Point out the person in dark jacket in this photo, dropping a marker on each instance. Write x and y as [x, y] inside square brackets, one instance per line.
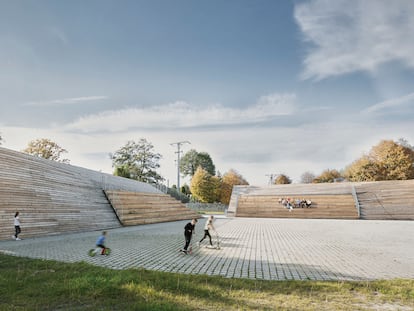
[16, 226]
[188, 233]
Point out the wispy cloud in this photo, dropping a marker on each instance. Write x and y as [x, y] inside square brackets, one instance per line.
[65, 101]
[392, 103]
[353, 35]
[59, 35]
[181, 114]
[329, 143]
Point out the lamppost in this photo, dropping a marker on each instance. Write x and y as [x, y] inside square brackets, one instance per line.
[178, 152]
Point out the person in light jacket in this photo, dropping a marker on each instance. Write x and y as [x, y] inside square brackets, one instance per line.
[207, 227]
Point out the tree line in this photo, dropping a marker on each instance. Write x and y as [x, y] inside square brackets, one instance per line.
[388, 160]
[139, 161]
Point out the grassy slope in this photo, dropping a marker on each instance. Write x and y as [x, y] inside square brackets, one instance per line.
[28, 284]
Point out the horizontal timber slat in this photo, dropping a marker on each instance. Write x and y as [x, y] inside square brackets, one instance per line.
[336, 206]
[387, 199]
[377, 200]
[135, 208]
[55, 198]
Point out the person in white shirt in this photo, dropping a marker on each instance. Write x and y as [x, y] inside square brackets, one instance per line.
[17, 226]
[208, 226]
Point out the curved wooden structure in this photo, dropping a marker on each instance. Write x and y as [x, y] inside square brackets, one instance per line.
[55, 198]
[364, 200]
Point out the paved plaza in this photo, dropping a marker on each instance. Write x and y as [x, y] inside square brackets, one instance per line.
[254, 248]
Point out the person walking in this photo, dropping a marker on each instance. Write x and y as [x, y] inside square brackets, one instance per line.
[188, 233]
[16, 227]
[207, 227]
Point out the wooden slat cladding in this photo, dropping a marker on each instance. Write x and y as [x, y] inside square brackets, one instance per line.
[135, 208]
[341, 206]
[387, 200]
[55, 198]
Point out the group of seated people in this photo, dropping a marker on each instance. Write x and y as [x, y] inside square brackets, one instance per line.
[295, 203]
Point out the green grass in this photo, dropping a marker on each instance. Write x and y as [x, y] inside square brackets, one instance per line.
[30, 284]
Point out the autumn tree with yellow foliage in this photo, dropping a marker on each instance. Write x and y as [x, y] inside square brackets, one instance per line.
[327, 176]
[46, 149]
[205, 187]
[388, 160]
[282, 180]
[230, 179]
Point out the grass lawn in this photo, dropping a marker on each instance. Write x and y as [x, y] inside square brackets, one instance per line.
[31, 284]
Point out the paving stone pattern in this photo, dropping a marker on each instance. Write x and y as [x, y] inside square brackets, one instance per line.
[270, 249]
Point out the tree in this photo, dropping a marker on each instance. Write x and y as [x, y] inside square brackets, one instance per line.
[386, 161]
[46, 149]
[122, 171]
[327, 176]
[403, 142]
[204, 186]
[307, 178]
[185, 189]
[395, 161]
[230, 179]
[216, 184]
[1, 138]
[362, 169]
[137, 160]
[190, 162]
[282, 179]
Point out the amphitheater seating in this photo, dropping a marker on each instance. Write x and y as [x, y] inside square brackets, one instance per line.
[135, 208]
[55, 198]
[328, 201]
[339, 206]
[376, 200]
[386, 199]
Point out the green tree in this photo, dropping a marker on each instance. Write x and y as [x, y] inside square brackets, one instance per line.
[388, 160]
[190, 162]
[230, 179]
[204, 187]
[327, 176]
[122, 171]
[186, 189]
[137, 160]
[282, 179]
[1, 138]
[46, 149]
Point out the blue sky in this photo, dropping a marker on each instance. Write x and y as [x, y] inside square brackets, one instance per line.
[265, 87]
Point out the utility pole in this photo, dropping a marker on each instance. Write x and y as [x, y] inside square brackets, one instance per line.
[271, 178]
[178, 152]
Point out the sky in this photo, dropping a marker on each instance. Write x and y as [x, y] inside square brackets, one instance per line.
[265, 87]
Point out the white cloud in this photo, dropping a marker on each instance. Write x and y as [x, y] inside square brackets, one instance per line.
[65, 101]
[355, 35]
[184, 115]
[278, 147]
[392, 103]
[253, 151]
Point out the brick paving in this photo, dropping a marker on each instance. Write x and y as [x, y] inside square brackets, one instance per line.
[254, 248]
